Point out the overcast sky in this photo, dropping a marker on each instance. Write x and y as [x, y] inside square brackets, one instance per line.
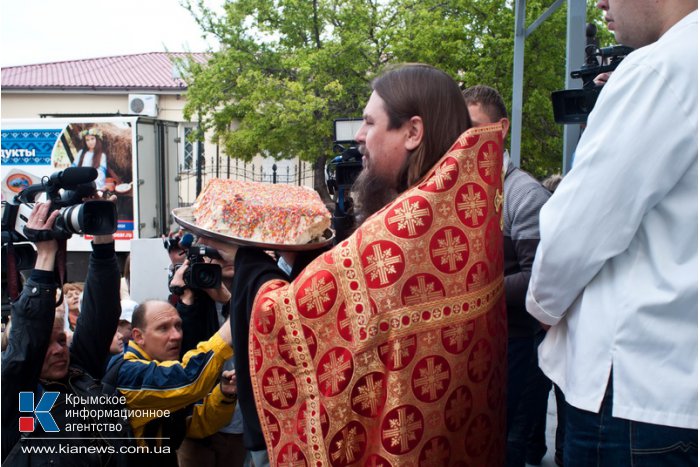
[40, 31]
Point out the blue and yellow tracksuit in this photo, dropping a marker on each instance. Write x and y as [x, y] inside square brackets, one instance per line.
[150, 386]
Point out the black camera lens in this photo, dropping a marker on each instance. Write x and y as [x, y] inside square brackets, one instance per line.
[92, 218]
[100, 217]
[206, 278]
[203, 276]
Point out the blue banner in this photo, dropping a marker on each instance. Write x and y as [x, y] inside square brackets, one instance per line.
[28, 147]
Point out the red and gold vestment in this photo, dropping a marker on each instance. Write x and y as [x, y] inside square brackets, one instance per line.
[390, 349]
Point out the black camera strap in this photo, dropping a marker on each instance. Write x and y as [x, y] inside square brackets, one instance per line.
[12, 274]
[60, 267]
[34, 235]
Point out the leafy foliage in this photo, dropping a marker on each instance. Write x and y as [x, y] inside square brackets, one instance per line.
[287, 68]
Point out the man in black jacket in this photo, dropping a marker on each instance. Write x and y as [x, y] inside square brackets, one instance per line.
[38, 363]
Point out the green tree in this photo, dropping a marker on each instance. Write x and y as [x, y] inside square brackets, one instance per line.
[545, 64]
[287, 68]
[285, 71]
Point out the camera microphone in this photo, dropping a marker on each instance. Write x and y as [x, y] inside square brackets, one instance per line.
[591, 32]
[187, 240]
[71, 177]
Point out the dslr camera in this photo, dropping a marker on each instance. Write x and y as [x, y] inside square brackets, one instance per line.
[66, 190]
[199, 274]
[574, 105]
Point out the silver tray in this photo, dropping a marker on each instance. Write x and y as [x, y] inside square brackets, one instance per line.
[185, 218]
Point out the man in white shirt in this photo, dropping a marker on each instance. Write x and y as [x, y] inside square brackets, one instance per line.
[615, 273]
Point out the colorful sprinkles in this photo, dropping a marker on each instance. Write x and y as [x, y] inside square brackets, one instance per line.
[262, 212]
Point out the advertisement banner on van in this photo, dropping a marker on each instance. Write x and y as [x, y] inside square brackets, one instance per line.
[33, 150]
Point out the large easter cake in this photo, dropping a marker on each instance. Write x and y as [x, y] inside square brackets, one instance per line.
[262, 212]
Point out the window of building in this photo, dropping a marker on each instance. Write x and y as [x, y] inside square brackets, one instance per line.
[189, 151]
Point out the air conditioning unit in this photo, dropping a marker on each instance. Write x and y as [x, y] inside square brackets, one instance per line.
[143, 104]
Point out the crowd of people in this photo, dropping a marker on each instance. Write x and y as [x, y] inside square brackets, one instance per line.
[434, 333]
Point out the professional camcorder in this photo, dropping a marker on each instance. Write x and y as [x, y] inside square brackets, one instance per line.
[66, 190]
[341, 173]
[199, 274]
[342, 170]
[574, 105]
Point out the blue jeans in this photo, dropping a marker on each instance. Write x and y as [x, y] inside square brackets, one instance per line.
[599, 439]
[259, 458]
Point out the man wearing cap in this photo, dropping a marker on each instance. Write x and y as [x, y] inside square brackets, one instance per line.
[124, 327]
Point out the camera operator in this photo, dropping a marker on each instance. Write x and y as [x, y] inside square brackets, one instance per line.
[202, 312]
[220, 294]
[39, 361]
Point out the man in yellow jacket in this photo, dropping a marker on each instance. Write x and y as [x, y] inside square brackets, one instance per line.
[160, 390]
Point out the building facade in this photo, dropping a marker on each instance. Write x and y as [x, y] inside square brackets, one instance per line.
[149, 85]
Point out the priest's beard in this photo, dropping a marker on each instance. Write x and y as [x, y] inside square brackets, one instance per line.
[370, 193]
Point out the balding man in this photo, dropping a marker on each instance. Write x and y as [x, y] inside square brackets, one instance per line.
[154, 381]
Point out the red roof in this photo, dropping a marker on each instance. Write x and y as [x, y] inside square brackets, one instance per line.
[147, 71]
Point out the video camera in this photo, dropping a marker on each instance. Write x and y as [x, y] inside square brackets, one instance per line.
[341, 173]
[66, 190]
[342, 170]
[199, 274]
[574, 105]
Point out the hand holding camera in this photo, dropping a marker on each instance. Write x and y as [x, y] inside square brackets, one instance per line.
[40, 223]
[177, 285]
[574, 105]
[102, 196]
[65, 190]
[196, 273]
